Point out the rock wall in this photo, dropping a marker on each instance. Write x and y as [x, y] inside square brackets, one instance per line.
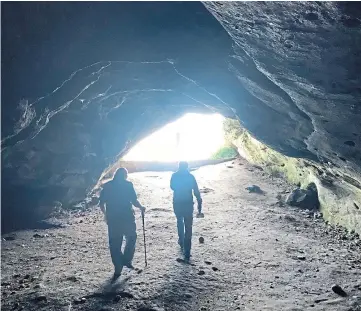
[339, 194]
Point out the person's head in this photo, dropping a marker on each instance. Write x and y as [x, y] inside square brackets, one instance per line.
[121, 174]
[183, 166]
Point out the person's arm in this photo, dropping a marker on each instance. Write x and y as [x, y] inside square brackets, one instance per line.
[197, 194]
[134, 199]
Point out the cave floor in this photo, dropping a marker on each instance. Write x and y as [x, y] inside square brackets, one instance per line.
[257, 255]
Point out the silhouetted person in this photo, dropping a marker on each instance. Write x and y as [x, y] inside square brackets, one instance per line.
[116, 200]
[183, 185]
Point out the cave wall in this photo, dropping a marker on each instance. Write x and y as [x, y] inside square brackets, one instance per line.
[303, 58]
[339, 194]
[78, 89]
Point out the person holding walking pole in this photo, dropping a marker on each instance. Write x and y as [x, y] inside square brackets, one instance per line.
[116, 200]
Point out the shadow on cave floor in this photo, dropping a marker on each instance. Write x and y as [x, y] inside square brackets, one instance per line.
[256, 255]
[12, 228]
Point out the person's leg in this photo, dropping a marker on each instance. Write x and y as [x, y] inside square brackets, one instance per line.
[180, 224]
[115, 244]
[188, 224]
[180, 228]
[131, 238]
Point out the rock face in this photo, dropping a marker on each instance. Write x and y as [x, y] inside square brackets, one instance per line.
[322, 186]
[78, 91]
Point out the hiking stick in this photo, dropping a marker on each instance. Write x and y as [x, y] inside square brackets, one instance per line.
[145, 246]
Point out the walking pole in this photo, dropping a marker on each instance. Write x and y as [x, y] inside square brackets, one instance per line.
[145, 246]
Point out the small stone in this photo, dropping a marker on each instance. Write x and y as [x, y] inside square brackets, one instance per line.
[34, 278]
[37, 235]
[201, 240]
[215, 269]
[188, 295]
[338, 290]
[72, 278]
[201, 272]
[126, 295]
[27, 277]
[78, 301]
[41, 298]
[301, 257]
[207, 262]
[10, 238]
[320, 300]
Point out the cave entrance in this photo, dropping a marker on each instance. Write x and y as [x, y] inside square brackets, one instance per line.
[200, 139]
[190, 138]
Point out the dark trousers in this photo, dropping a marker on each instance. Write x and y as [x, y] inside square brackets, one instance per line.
[184, 214]
[116, 232]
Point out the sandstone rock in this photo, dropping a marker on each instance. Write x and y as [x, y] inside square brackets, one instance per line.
[304, 198]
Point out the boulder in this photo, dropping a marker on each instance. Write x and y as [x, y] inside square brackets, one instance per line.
[304, 198]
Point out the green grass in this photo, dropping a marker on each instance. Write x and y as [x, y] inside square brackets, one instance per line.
[225, 152]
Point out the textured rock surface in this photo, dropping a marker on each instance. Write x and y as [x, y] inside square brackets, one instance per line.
[91, 84]
[338, 194]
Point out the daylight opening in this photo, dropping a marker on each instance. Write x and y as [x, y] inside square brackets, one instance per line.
[192, 137]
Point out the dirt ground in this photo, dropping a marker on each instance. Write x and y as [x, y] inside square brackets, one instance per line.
[257, 255]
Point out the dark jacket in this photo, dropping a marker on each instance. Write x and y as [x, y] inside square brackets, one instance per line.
[183, 185]
[118, 197]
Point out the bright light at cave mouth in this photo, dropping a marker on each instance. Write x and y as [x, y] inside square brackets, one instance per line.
[192, 137]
